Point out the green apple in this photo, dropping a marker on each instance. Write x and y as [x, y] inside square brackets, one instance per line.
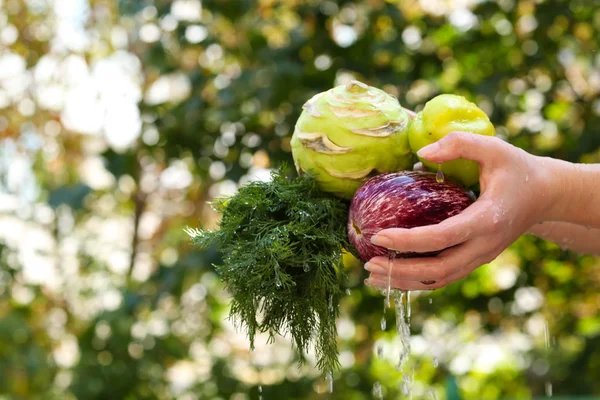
[441, 115]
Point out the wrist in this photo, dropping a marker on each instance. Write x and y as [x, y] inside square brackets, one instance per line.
[541, 229]
[557, 187]
[567, 193]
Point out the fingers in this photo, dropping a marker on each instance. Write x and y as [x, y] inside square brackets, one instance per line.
[410, 113]
[450, 232]
[470, 146]
[380, 281]
[419, 269]
[441, 270]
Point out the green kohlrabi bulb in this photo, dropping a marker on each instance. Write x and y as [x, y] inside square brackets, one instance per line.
[349, 133]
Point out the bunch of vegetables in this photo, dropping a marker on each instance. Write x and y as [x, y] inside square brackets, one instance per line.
[282, 241]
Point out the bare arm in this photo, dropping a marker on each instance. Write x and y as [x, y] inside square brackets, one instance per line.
[568, 236]
[574, 218]
[520, 193]
[575, 192]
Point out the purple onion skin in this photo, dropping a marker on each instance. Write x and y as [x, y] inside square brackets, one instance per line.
[405, 199]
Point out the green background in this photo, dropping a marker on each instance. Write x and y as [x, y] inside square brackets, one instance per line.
[131, 310]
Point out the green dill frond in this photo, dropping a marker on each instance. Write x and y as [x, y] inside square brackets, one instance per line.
[281, 244]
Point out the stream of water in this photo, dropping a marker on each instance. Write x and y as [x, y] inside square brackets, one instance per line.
[329, 379]
[391, 257]
[548, 384]
[402, 325]
[403, 313]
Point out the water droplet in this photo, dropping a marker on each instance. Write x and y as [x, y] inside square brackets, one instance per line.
[277, 280]
[329, 379]
[496, 218]
[430, 300]
[407, 382]
[306, 268]
[383, 323]
[432, 394]
[563, 247]
[439, 177]
[436, 362]
[404, 388]
[549, 389]
[380, 350]
[377, 392]
[348, 292]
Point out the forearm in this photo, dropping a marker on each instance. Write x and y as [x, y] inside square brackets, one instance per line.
[577, 238]
[574, 191]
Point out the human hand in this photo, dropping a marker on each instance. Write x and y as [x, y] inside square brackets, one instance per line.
[515, 195]
[410, 112]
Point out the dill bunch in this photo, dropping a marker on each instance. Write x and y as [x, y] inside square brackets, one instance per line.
[281, 244]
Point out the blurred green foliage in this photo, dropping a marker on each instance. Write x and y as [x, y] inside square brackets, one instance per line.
[132, 310]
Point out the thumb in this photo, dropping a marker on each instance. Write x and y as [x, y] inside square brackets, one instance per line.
[469, 146]
[410, 113]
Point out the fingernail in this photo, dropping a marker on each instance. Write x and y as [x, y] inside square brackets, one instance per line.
[375, 268]
[381, 240]
[429, 150]
[427, 282]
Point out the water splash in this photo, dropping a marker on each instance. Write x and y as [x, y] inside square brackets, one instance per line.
[377, 392]
[260, 392]
[439, 176]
